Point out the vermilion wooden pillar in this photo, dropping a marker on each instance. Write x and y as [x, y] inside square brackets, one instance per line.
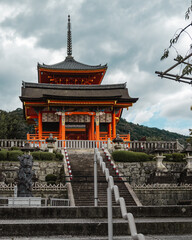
[62, 121]
[113, 124]
[89, 131]
[109, 130]
[60, 127]
[97, 126]
[92, 127]
[40, 125]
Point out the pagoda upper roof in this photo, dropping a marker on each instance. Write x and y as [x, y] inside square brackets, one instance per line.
[71, 64]
[42, 91]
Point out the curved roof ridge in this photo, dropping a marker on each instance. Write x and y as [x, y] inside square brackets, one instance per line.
[70, 86]
[71, 64]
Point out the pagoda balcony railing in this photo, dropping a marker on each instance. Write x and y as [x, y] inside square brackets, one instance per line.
[104, 137]
[43, 136]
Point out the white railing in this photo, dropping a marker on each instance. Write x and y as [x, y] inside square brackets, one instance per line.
[162, 186]
[5, 201]
[49, 187]
[120, 200]
[91, 144]
[35, 187]
[81, 144]
[8, 143]
[152, 145]
[70, 144]
[7, 187]
[59, 202]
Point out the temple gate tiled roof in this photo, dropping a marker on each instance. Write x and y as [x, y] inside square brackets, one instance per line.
[34, 91]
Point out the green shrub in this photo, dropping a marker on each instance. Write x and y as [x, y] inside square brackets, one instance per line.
[61, 176]
[36, 155]
[47, 156]
[59, 156]
[174, 157]
[3, 155]
[178, 157]
[128, 156]
[51, 179]
[13, 155]
[168, 157]
[151, 157]
[15, 148]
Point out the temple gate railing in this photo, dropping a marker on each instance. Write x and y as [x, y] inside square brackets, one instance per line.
[152, 145]
[91, 144]
[8, 143]
[103, 137]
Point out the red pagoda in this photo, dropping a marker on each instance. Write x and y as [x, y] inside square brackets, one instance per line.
[70, 102]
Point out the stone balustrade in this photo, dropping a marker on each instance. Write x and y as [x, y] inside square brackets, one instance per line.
[91, 144]
[35, 187]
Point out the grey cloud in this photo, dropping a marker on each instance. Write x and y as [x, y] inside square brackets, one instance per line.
[135, 30]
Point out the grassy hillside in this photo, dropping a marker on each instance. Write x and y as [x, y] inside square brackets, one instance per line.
[138, 132]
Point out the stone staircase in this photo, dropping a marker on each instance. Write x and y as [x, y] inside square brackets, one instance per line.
[71, 222]
[82, 165]
[123, 191]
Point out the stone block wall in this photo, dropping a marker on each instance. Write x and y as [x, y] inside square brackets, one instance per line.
[41, 169]
[155, 194]
[139, 172]
[163, 194]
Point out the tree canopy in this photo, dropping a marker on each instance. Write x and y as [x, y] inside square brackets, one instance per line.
[13, 125]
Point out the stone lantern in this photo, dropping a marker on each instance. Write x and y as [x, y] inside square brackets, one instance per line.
[160, 167]
[27, 148]
[116, 142]
[50, 142]
[188, 152]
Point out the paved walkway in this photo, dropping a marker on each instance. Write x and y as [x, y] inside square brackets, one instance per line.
[93, 220]
[177, 237]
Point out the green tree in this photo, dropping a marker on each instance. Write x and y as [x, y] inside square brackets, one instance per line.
[13, 125]
[3, 124]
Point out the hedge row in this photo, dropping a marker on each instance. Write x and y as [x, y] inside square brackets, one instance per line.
[41, 156]
[174, 157]
[125, 156]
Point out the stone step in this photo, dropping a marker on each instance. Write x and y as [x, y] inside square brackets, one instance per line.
[95, 227]
[69, 237]
[82, 166]
[93, 212]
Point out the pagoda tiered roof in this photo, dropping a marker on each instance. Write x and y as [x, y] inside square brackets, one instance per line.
[70, 71]
[71, 64]
[43, 92]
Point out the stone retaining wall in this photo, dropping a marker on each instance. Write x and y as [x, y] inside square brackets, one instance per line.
[41, 168]
[155, 194]
[139, 172]
[163, 194]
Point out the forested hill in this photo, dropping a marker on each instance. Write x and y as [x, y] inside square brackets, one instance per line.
[138, 132]
[13, 125]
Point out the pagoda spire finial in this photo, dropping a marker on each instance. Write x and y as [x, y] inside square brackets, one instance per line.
[69, 38]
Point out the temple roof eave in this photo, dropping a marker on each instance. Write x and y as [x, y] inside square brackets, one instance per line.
[71, 64]
[72, 87]
[45, 92]
[47, 98]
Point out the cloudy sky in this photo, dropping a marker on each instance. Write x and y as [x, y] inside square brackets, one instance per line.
[130, 36]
